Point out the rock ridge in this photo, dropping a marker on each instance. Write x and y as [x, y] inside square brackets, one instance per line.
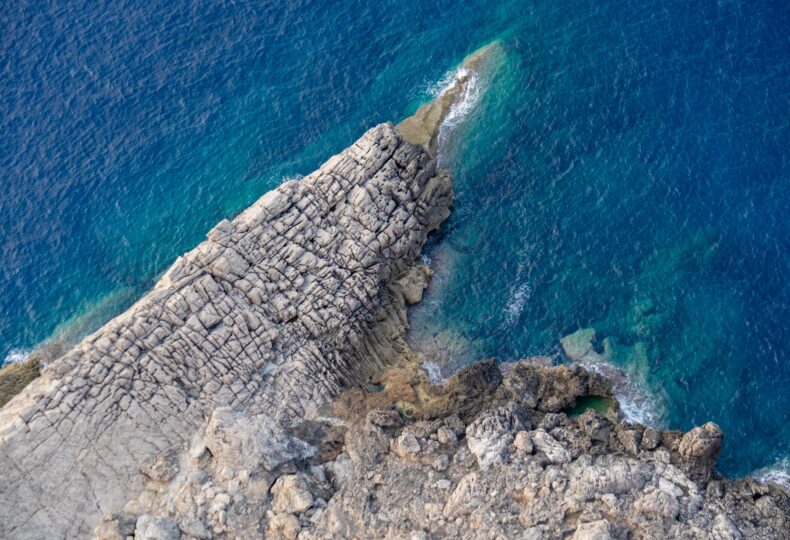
[258, 326]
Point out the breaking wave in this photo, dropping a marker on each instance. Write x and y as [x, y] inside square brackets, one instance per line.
[778, 473]
[16, 356]
[462, 107]
[636, 401]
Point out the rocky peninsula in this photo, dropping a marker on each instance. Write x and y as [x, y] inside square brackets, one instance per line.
[264, 388]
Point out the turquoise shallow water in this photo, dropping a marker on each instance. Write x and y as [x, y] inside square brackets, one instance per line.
[625, 169]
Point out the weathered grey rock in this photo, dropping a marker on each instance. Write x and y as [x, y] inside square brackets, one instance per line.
[163, 467]
[407, 445]
[156, 528]
[631, 439]
[571, 486]
[116, 526]
[270, 317]
[445, 435]
[385, 418]
[658, 504]
[492, 433]
[554, 450]
[467, 496]
[650, 439]
[237, 440]
[593, 530]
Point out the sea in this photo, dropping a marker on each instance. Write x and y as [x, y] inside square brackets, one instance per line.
[623, 166]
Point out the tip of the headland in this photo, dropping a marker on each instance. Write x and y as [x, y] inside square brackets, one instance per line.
[423, 126]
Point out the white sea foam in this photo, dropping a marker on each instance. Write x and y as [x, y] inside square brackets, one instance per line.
[516, 302]
[778, 473]
[462, 107]
[637, 403]
[15, 356]
[433, 371]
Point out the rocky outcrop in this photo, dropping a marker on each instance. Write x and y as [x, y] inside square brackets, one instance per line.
[264, 389]
[519, 471]
[249, 333]
[507, 469]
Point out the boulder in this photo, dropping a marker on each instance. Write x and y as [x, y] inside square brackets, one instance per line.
[291, 494]
[150, 527]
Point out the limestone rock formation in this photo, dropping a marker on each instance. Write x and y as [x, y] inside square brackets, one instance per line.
[245, 335]
[264, 388]
[542, 475]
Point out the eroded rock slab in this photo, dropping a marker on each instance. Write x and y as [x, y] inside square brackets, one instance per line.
[270, 316]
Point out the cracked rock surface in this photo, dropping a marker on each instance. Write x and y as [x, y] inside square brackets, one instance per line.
[523, 469]
[244, 337]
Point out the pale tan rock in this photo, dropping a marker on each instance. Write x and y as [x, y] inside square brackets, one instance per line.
[592, 530]
[702, 443]
[285, 526]
[465, 498]
[523, 442]
[291, 495]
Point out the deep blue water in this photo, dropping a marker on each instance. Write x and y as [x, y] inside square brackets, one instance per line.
[625, 169]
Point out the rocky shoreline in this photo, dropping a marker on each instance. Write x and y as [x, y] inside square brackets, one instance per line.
[264, 388]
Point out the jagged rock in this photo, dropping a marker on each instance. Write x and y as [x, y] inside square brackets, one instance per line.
[407, 445]
[650, 439]
[593, 530]
[194, 528]
[492, 433]
[523, 442]
[385, 418]
[568, 487]
[554, 450]
[291, 494]
[414, 282]
[446, 435]
[631, 440]
[465, 498]
[594, 426]
[156, 528]
[163, 467]
[702, 443]
[658, 504]
[116, 526]
[725, 529]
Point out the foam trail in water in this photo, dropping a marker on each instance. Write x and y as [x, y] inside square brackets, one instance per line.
[460, 110]
[516, 302]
